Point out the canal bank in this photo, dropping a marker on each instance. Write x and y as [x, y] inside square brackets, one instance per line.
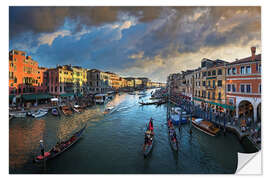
[112, 144]
[244, 137]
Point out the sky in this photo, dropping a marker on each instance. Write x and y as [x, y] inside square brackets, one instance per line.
[148, 42]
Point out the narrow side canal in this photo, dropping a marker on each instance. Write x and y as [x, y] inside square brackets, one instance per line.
[113, 143]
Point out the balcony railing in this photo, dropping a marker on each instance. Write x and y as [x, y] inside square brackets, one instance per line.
[210, 87]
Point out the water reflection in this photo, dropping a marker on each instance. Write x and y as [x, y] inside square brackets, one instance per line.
[113, 143]
[23, 141]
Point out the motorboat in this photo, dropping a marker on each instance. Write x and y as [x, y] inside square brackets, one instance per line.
[18, 114]
[205, 126]
[66, 110]
[108, 109]
[101, 98]
[39, 113]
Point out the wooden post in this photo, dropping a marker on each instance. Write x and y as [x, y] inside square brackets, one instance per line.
[190, 124]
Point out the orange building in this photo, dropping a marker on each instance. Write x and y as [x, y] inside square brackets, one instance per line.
[24, 74]
[243, 86]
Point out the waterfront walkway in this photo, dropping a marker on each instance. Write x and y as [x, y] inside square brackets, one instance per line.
[222, 120]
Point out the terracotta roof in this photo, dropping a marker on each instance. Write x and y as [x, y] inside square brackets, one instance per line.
[245, 60]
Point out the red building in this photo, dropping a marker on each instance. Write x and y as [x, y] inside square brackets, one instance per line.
[243, 86]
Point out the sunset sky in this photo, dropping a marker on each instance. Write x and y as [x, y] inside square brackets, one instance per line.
[134, 41]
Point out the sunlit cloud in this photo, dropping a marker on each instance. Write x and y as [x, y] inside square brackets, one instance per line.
[48, 38]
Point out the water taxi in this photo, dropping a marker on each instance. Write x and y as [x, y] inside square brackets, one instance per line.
[205, 126]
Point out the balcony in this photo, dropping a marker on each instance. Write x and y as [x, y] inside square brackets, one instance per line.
[210, 87]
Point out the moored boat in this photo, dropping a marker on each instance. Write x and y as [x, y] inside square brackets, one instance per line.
[101, 98]
[29, 113]
[60, 147]
[18, 114]
[11, 116]
[205, 126]
[39, 113]
[66, 110]
[77, 109]
[55, 112]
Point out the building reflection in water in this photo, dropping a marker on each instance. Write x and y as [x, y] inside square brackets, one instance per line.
[24, 141]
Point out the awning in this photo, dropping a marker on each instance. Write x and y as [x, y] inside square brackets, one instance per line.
[79, 95]
[197, 99]
[226, 106]
[30, 97]
[67, 94]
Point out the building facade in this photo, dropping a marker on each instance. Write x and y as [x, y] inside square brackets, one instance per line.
[60, 80]
[243, 86]
[210, 83]
[25, 77]
[98, 81]
[79, 79]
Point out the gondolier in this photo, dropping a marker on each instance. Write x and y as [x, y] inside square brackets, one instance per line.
[41, 147]
[58, 148]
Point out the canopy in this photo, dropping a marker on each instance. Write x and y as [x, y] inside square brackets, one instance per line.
[226, 106]
[30, 97]
[67, 94]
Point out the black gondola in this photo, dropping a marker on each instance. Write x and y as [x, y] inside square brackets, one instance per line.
[172, 136]
[55, 151]
[149, 144]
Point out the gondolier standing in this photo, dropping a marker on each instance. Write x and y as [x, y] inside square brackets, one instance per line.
[41, 147]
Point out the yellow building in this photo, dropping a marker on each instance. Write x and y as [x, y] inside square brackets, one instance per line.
[65, 74]
[137, 83]
[130, 82]
[79, 79]
[209, 83]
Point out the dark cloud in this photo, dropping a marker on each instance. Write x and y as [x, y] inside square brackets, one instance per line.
[49, 19]
[160, 31]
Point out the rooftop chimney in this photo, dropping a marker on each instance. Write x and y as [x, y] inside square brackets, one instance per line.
[253, 52]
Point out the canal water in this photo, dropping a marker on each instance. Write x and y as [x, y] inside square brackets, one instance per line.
[112, 143]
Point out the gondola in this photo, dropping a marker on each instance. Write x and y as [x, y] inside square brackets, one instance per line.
[160, 103]
[66, 110]
[62, 147]
[149, 145]
[147, 103]
[172, 138]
